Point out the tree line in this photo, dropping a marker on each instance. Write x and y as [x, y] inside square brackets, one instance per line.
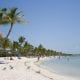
[22, 48]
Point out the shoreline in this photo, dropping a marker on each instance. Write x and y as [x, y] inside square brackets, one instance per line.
[27, 69]
[51, 74]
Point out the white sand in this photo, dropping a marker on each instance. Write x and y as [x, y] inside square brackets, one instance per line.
[26, 69]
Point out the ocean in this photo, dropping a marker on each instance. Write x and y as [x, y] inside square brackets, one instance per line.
[68, 66]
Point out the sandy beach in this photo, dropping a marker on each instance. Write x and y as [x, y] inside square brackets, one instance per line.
[26, 69]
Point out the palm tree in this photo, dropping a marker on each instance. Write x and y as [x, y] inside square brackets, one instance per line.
[7, 45]
[11, 17]
[40, 47]
[21, 40]
[28, 48]
[15, 45]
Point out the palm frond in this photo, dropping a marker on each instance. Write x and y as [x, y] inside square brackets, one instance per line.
[2, 11]
[18, 13]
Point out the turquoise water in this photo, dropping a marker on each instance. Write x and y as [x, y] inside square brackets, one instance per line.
[68, 66]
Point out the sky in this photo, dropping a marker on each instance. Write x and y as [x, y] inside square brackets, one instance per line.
[53, 23]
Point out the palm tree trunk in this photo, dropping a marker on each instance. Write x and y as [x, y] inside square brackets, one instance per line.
[7, 38]
[9, 30]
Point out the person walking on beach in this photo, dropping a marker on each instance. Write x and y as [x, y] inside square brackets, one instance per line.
[38, 57]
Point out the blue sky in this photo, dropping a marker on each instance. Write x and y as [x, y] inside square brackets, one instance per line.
[53, 23]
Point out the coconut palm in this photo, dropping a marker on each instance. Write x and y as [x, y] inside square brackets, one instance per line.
[13, 16]
[21, 40]
[10, 16]
[15, 45]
